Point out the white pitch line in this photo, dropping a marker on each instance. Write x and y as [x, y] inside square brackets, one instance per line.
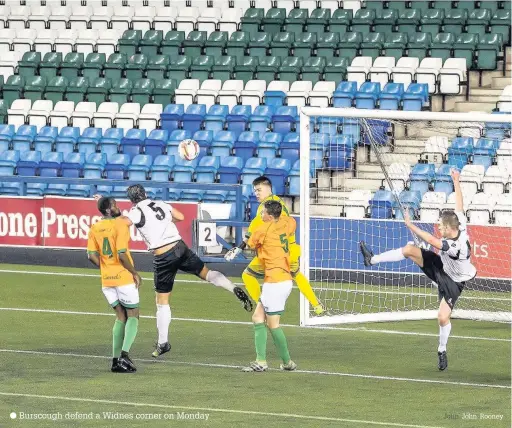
[213, 409]
[313, 372]
[346, 290]
[210, 321]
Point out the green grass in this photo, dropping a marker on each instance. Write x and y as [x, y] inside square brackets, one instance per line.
[202, 370]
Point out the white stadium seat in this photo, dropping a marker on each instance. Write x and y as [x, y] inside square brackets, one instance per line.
[9, 62]
[107, 41]
[452, 75]
[471, 178]
[279, 85]
[39, 16]
[80, 17]
[5, 11]
[83, 114]
[359, 69]
[65, 41]
[428, 72]
[505, 100]
[253, 93]
[450, 201]
[38, 114]
[143, 18]
[24, 39]
[503, 210]
[299, 93]
[208, 92]
[18, 17]
[6, 39]
[86, 41]
[355, 5]
[230, 93]
[165, 18]
[186, 92]
[381, 69]
[61, 114]
[59, 18]
[209, 19]
[101, 16]
[495, 180]
[431, 205]
[105, 115]
[187, 19]
[18, 112]
[399, 174]
[357, 204]
[128, 116]
[436, 148]
[321, 95]
[230, 19]
[149, 116]
[122, 18]
[45, 40]
[480, 209]
[405, 70]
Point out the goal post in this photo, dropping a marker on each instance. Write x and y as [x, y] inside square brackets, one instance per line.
[349, 154]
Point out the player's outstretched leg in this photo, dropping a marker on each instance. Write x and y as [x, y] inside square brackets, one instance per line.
[445, 328]
[130, 332]
[408, 252]
[219, 280]
[260, 341]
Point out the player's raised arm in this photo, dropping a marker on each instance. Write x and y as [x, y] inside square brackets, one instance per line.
[459, 201]
[422, 234]
[177, 215]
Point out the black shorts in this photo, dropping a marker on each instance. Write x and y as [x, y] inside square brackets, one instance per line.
[166, 265]
[447, 287]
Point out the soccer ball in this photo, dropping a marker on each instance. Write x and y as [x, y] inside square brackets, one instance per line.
[188, 149]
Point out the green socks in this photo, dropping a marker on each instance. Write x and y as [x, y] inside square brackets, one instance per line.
[260, 341]
[281, 344]
[130, 331]
[117, 338]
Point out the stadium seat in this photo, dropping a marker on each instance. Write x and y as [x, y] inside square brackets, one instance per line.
[502, 211]
[453, 76]
[480, 208]
[471, 177]
[299, 93]
[246, 145]
[18, 112]
[381, 204]
[345, 94]
[431, 205]
[367, 95]
[391, 96]
[416, 97]
[495, 180]
[359, 69]
[321, 95]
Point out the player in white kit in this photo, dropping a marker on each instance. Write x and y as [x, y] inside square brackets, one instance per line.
[155, 222]
[450, 269]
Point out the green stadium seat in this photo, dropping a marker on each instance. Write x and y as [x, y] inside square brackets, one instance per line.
[318, 21]
[421, 5]
[129, 42]
[464, 47]
[296, 21]
[93, 65]
[77, 89]
[135, 66]
[304, 44]
[238, 43]
[442, 46]
[13, 88]
[193, 44]
[395, 44]
[469, 5]
[50, 64]
[281, 44]
[245, 68]
[336, 69]
[259, 44]
[99, 89]
[56, 89]
[164, 91]
[443, 4]
[142, 91]
[385, 21]
[350, 44]
[29, 64]
[34, 88]
[72, 65]
[455, 20]
[267, 68]
[432, 20]
[408, 21]
[150, 43]
[172, 43]
[273, 20]
[178, 68]
[500, 24]
[120, 91]
[505, 4]
[327, 44]
[157, 67]
[3, 111]
[375, 5]
[313, 69]
[216, 43]
[340, 21]
[223, 67]
[201, 67]
[290, 69]
[399, 5]
[251, 21]
[419, 44]
[478, 21]
[488, 50]
[363, 21]
[113, 68]
[372, 44]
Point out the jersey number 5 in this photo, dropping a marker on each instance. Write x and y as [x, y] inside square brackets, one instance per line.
[160, 214]
[284, 241]
[106, 248]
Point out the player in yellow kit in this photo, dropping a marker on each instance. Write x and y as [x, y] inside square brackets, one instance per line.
[263, 191]
[271, 242]
[107, 248]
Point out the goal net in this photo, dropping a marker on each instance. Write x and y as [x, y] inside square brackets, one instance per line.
[361, 170]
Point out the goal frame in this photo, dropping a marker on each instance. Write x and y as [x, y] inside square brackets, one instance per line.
[306, 113]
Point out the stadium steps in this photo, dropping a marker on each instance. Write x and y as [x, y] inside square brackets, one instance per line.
[501, 82]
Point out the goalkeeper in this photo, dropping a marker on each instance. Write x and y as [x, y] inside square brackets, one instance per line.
[263, 190]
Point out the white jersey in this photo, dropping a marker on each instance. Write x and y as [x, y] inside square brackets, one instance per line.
[153, 220]
[456, 254]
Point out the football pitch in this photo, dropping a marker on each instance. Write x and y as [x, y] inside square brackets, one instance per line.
[55, 351]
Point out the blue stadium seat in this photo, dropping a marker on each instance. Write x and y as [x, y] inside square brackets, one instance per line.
[410, 200]
[47, 134]
[8, 161]
[318, 147]
[50, 164]
[72, 165]
[238, 118]
[204, 139]
[43, 146]
[269, 145]
[367, 95]
[443, 173]
[423, 171]
[175, 138]
[6, 135]
[459, 151]
[192, 195]
[340, 154]
[230, 170]
[216, 118]
[207, 169]
[36, 189]
[223, 143]
[274, 98]
[290, 147]
[117, 165]
[193, 117]
[391, 96]
[294, 179]
[285, 119]
[327, 125]
[132, 142]
[21, 145]
[57, 189]
[141, 163]
[171, 117]
[154, 144]
[277, 171]
[13, 188]
[261, 118]
[485, 151]
[183, 170]
[163, 163]
[497, 130]
[96, 162]
[254, 167]
[25, 133]
[231, 198]
[415, 97]
[28, 163]
[87, 143]
[381, 205]
[344, 94]
[215, 196]
[443, 186]
[245, 146]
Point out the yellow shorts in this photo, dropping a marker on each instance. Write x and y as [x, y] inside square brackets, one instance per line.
[256, 269]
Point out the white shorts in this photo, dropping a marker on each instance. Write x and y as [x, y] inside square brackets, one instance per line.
[274, 295]
[127, 295]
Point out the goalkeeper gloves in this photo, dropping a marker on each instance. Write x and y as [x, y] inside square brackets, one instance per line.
[232, 254]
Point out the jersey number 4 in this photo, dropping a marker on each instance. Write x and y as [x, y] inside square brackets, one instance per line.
[106, 249]
[284, 241]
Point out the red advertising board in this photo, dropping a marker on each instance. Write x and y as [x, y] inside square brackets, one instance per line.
[53, 221]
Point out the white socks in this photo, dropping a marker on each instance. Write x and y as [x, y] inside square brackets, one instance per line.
[163, 319]
[389, 256]
[444, 333]
[219, 280]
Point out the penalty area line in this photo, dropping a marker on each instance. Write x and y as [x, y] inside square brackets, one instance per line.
[211, 321]
[213, 410]
[230, 366]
